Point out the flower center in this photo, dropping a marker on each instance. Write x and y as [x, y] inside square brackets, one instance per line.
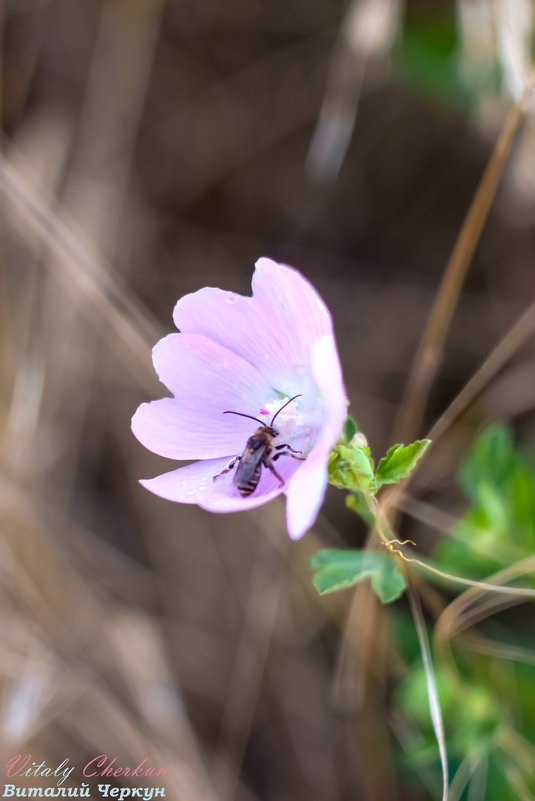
[298, 424]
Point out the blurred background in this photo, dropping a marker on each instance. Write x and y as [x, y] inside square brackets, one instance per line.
[152, 147]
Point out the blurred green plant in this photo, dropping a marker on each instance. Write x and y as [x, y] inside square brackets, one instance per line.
[490, 733]
[488, 704]
[426, 58]
[446, 57]
[498, 528]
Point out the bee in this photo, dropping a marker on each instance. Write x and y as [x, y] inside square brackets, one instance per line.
[259, 452]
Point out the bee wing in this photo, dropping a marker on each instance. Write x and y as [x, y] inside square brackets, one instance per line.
[252, 455]
[247, 475]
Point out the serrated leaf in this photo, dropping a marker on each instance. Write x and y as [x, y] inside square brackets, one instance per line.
[400, 461]
[339, 569]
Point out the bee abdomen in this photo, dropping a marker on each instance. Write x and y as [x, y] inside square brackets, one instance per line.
[247, 489]
[246, 485]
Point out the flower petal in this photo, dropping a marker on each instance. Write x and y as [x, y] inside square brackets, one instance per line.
[305, 493]
[195, 483]
[272, 330]
[238, 353]
[206, 379]
[306, 488]
[327, 374]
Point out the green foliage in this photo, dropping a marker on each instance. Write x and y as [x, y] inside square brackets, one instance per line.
[471, 712]
[350, 429]
[430, 58]
[351, 467]
[498, 527]
[400, 461]
[427, 57]
[488, 704]
[338, 569]
[350, 464]
[485, 725]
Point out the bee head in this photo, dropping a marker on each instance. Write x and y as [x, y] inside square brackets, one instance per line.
[273, 432]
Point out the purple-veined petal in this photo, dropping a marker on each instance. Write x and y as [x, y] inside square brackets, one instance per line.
[195, 483]
[274, 329]
[306, 488]
[206, 379]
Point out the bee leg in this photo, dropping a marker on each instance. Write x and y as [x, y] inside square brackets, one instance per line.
[229, 467]
[287, 453]
[268, 462]
[285, 445]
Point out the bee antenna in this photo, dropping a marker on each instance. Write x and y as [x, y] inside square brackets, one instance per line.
[283, 407]
[250, 416]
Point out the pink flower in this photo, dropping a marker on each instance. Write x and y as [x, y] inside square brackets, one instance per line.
[248, 355]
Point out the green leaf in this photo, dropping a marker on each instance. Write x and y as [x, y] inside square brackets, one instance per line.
[338, 569]
[350, 429]
[400, 461]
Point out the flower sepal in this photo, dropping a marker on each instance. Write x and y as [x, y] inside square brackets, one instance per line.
[350, 463]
